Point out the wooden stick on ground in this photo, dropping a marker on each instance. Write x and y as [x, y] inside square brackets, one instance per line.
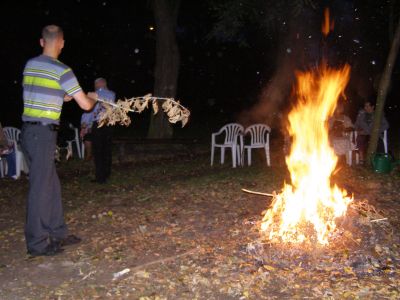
[378, 220]
[258, 193]
[163, 260]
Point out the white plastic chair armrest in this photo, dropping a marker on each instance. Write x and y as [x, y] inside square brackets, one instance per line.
[215, 134]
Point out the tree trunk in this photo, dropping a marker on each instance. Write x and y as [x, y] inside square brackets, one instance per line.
[167, 62]
[382, 93]
[391, 19]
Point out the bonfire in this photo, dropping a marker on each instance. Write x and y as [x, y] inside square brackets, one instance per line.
[311, 198]
[306, 209]
[313, 224]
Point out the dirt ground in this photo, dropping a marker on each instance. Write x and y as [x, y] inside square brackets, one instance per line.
[176, 228]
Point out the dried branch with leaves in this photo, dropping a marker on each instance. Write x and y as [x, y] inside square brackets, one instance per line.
[117, 113]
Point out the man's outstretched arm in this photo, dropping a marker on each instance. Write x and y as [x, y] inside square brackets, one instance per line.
[86, 102]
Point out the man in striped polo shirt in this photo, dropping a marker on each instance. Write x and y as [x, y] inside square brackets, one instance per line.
[47, 83]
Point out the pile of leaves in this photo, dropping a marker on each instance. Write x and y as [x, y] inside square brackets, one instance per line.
[364, 245]
[117, 113]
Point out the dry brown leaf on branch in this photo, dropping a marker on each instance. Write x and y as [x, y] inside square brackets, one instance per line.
[175, 113]
[140, 105]
[117, 113]
[167, 105]
[103, 117]
[147, 97]
[154, 104]
[185, 117]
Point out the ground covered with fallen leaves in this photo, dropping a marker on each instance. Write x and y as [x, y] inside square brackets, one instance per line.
[175, 228]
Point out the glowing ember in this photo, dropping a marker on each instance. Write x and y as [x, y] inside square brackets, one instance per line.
[310, 204]
[327, 25]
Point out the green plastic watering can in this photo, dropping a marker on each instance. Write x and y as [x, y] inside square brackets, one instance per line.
[383, 163]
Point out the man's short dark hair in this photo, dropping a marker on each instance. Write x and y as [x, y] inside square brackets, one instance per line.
[370, 102]
[52, 32]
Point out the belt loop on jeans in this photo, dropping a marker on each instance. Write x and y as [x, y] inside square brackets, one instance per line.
[53, 127]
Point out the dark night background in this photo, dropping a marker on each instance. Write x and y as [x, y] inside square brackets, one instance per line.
[220, 76]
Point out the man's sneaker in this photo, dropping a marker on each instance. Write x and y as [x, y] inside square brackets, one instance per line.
[68, 241]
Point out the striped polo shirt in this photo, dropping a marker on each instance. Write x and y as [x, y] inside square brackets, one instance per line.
[46, 81]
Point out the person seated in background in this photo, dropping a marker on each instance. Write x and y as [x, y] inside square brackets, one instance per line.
[65, 133]
[340, 126]
[86, 133]
[7, 151]
[364, 124]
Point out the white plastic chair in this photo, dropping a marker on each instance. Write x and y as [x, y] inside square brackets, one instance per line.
[233, 133]
[75, 140]
[353, 142]
[385, 143]
[259, 138]
[13, 135]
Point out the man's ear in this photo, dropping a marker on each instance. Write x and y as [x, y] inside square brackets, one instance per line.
[42, 42]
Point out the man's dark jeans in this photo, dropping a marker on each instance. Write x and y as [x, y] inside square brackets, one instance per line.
[44, 215]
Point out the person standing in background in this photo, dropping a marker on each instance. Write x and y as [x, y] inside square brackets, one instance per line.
[102, 137]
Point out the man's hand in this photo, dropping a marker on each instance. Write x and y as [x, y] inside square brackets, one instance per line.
[83, 133]
[67, 98]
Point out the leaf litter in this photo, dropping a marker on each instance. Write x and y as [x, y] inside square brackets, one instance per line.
[197, 236]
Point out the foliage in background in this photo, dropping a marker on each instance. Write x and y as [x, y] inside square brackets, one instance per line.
[235, 17]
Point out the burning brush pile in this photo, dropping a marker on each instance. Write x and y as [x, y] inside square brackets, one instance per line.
[363, 243]
[312, 220]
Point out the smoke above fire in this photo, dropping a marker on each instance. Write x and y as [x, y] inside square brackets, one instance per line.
[298, 48]
[301, 46]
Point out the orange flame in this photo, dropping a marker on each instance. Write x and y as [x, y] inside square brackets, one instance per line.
[327, 25]
[310, 199]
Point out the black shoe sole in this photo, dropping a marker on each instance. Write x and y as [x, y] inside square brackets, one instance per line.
[52, 252]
